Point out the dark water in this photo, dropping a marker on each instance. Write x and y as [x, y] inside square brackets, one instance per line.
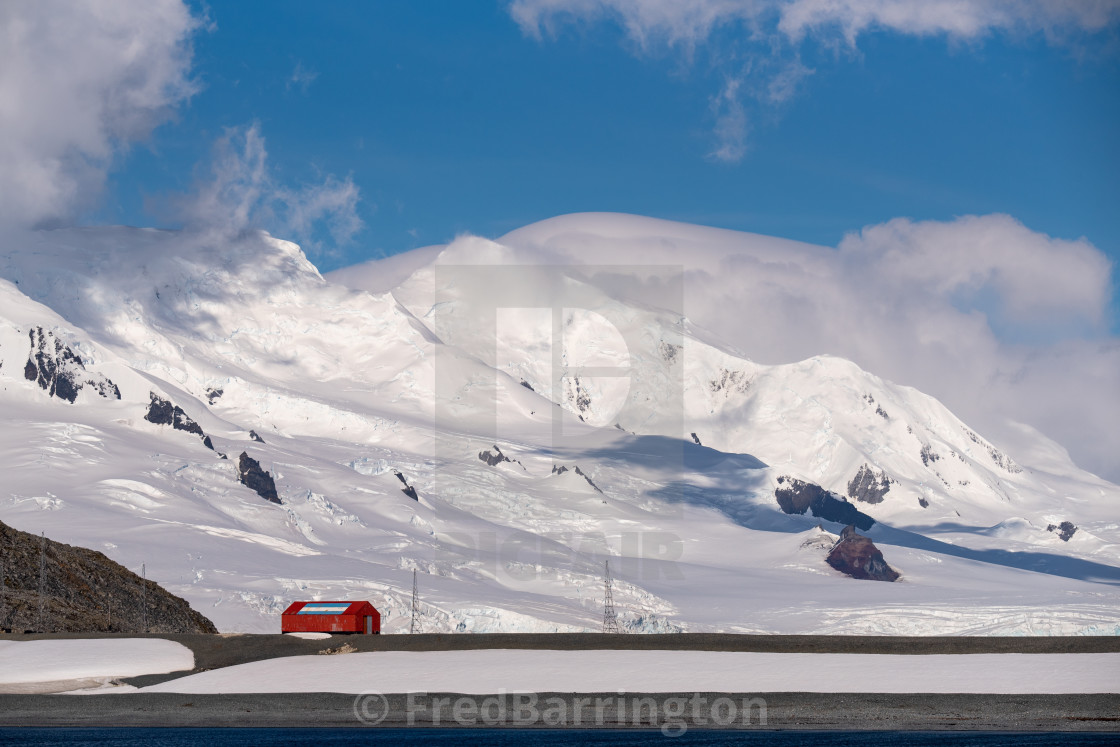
[501, 737]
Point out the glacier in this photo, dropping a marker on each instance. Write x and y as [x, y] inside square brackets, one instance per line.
[337, 384]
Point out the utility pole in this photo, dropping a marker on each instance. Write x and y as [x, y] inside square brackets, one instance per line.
[144, 594]
[610, 620]
[42, 577]
[414, 626]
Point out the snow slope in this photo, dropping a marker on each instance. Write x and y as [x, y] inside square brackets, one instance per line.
[354, 394]
[56, 666]
[502, 671]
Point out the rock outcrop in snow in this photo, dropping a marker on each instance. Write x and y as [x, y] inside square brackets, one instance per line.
[59, 370]
[869, 486]
[250, 474]
[163, 412]
[1065, 530]
[797, 496]
[858, 557]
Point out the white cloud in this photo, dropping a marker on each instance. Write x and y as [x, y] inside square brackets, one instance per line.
[769, 34]
[994, 319]
[79, 80]
[955, 18]
[239, 194]
[301, 78]
[997, 321]
[731, 123]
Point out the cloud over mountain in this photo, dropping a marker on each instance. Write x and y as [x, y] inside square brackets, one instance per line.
[80, 81]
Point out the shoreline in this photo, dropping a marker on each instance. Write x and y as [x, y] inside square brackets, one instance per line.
[784, 711]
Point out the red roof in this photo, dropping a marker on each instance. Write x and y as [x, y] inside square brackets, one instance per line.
[331, 608]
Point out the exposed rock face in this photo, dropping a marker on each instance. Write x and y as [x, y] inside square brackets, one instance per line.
[797, 496]
[858, 557]
[256, 437]
[59, 370]
[493, 459]
[162, 412]
[250, 474]
[84, 592]
[1065, 530]
[213, 395]
[559, 470]
[527, 385]
[868, 485]
[696, 439]
[408, 489]
[929, 456]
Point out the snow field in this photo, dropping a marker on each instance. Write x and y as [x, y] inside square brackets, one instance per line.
[494, 671]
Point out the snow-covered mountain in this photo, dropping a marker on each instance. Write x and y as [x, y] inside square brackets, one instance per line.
[503, 417]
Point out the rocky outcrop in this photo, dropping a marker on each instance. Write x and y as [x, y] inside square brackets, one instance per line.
[256, 437]
[495, 457]
[868, 485]
[929, 456]
[796, 497]
[163, 412]
[1065, 530]
[408, 489]
[213, 395]
[60, 372]
[250, 474]
[84, 592]
[696, 439]
[858, 557]
[561, 469]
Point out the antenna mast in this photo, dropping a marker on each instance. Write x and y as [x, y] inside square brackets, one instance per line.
[610, 620]
[414, 626]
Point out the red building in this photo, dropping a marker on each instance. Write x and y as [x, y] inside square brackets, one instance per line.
[331, 617]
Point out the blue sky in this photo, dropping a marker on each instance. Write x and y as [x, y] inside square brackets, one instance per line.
[450, 118]
[364, 129]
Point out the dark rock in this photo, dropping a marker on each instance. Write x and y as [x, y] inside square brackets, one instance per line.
[256, 437]
[580, 472]
[696, 439]
[561, 469]
[882, 413]
[1065, 530]
[869, 486]
[162, 412]
[86, 592]
[858, 557]
[213, 395]
[408, 489]
[60, 372]
[207, 443]
[495, 458]
[923, 502]
[798, 497]
[527, 385]
[929, 456]
[250, 474]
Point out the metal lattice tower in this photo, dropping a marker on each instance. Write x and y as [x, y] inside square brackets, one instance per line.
[42, 577]
[414, 626]
[144, 594]
[610, 620]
